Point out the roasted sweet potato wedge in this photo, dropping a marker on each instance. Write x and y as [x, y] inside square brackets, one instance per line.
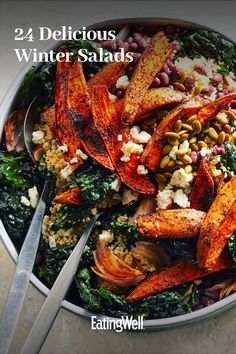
[149, 64]
[220, 238]
[210, 110]
[203, 189]
[49, 116]
[72, 196]
[65, 128]
[108, 75]
[110, 127]
[179, 273]
[176, 223]
[146, 205]
[79, 105]
[153, 99]
[216, 214]
[152, 153]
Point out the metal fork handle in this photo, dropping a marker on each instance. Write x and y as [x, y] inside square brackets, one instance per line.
[58, 292]
[21, 276]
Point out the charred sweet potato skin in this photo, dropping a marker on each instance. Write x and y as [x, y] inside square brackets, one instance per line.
[80, 110]
[210, 110]
[108, 75]
[216, 214]
[203, 189]
[181, 272]
[224, 232]
[175, 223]
[153, 99]
[153, 150]
[72, 196]
[149, 64]
[49, 116]
[109, 126]
[65, 127]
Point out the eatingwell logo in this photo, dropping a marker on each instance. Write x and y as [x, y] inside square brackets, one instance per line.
[119, 325]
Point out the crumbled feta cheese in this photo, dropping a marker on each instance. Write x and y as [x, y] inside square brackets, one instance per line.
[81, 154]
[33, 196]
[63, 148]
[106, 236]
[173, 151]
[204, 151]
[86, 249]
[112, 97]
[129, 196]
[181, 179]
[52, 242]
[141, 170]
[120, 137]
[164, 199]
[140, 136]
[38, 137]
[116, 184]
[25, 201]
[66, 172]
[122, 82]
[94, 211]
[130, 148]
[74, 160]
[181, 199]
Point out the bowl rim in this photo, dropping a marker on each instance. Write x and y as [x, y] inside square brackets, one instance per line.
[5, 108]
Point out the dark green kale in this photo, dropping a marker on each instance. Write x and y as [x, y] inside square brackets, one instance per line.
[180, 248]
[210, 44]
[232, 246]
[229, 157]
[103, 301]
[53, 259]
[94, 182]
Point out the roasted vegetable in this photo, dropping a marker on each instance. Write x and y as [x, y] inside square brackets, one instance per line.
[210, 110]
[65, 129]
[179, 273]
[49, 116]
[153, 150]
[177, 248]
[112, 269]
[72, 196]
[146, 205]
[203, 189]
[79, 105]
[221, 236]
[153, 99]
[14, 131]
[150, 63]
[108, 75]
[216, 214]
[110, 127]
[171, 223]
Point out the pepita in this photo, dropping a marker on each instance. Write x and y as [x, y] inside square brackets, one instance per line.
[213, 133]
[164, 162]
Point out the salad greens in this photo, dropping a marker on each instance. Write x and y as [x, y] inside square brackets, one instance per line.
[229, 157]
[210, 44]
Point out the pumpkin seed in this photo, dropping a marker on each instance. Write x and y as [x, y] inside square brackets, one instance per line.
[180, 163]
[193, 140]
[187, 159]
[191, 119]
[178, 126]
[207, 140]
[221, 137]
[168, 175]
[194, 147]
[221, 119]
[160, 178]
[197, 127]
[213, 133]
[202, 144]
[230, 114]
[172, 141]
[171, 163]
[164, 162]
[171, 135]
[227, 137]
[183, 138]
[166, 149]
[179, 86]
[188, 169]
[183, 132]
[187, 127]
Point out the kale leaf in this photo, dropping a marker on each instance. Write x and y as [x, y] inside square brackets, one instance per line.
[229, 157]
[180, 248]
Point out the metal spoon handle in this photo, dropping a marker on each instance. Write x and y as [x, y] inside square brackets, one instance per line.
[58, 292]
[21, 276]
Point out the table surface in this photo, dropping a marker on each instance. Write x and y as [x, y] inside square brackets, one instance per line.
[70, 333]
